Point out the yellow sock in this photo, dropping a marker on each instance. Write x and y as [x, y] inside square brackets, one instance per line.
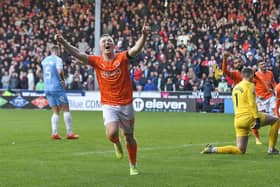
[228, 150]
[273, 134]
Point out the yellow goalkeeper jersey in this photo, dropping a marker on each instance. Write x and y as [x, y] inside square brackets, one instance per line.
[244, 99]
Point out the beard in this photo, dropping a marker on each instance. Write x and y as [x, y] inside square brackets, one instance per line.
[240, 68]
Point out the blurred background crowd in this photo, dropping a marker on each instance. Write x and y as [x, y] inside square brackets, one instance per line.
[183, 53]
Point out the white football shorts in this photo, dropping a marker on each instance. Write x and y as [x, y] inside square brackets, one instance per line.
[266, 105]
[124, 115]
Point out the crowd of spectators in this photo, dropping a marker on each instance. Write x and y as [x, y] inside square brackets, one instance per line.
[183, 52]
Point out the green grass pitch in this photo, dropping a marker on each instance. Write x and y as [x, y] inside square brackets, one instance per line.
[169, 146]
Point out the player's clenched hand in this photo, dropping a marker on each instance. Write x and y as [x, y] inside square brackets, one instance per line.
[257, 124]
[58, 37]
[227, 54]
[146, 29]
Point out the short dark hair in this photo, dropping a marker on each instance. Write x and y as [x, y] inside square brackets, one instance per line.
[260, 60]
[104, 35]
[247, 72]
[235, 59]
[55, 48]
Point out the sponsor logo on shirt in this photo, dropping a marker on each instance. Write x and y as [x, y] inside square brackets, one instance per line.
[111, 75]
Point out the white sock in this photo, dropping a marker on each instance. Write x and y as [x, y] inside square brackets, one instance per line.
[55, 119]
[214, 150]
[68, 122]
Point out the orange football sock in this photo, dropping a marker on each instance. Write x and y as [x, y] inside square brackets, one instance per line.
[255, 132]
[132, 152]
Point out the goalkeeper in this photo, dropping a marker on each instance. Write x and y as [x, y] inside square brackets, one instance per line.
[247, 117]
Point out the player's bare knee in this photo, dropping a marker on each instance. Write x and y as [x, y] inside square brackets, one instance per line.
[242, 150]
[55, 110]
[113, 138]
[112, 135]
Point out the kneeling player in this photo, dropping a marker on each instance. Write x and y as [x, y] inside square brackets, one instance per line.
[247, 117]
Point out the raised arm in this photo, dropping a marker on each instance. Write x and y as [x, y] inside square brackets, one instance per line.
[140, 42]
[224, 65]
[83, 58]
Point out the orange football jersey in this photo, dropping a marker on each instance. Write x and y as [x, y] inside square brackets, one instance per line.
[264, 84]
[113, 79]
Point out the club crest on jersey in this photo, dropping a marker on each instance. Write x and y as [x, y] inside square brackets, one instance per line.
[102, 65]
[62, 99]
[116, 63]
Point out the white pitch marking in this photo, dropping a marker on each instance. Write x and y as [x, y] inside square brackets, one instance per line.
[151, 148]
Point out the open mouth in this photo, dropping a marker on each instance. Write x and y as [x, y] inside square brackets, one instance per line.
[107, 47]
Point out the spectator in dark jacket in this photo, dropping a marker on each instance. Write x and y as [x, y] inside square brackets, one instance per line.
[207, 89]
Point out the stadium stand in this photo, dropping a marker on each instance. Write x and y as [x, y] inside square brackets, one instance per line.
[186, 45]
